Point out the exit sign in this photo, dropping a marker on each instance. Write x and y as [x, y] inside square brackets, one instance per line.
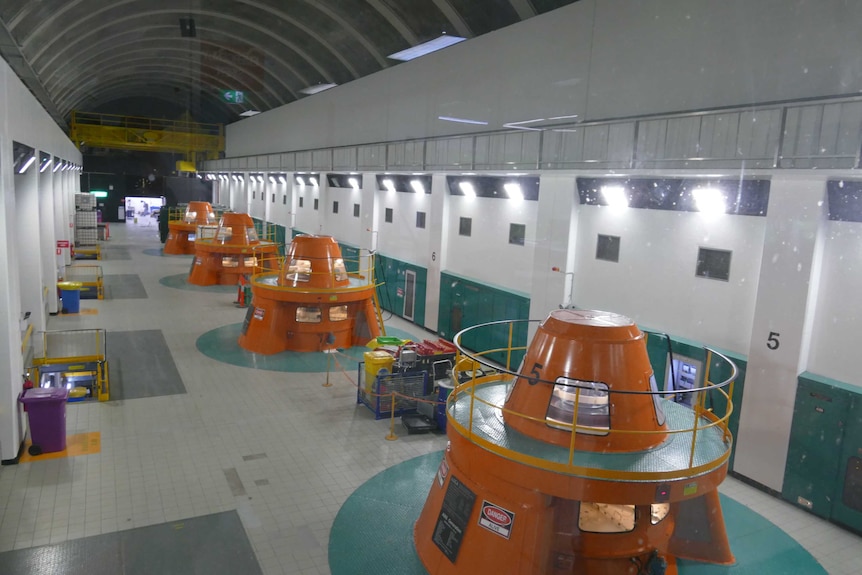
[233, 96]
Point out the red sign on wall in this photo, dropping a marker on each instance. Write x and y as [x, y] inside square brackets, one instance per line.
[62, 243]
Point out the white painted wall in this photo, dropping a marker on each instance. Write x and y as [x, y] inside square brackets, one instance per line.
[24, 120]
[654, 282]
[344, 225]
[401, 239]
[595, 58]
[838, 318]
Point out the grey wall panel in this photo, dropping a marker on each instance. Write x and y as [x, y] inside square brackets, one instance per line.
[683, 139]
[288, 161]
[304, 161]
[621, 141]
[344, 158]
[321, 160]
[371, 157]
[406, 155]
[449, 153]
[273, 161]
[650, 141]
[822, 136]
[513, 150]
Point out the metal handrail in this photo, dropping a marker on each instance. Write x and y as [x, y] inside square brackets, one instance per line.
[724, 388]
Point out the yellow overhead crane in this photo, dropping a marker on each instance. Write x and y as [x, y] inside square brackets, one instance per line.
[195, 140]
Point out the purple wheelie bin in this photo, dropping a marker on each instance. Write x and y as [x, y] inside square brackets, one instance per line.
[47, 409]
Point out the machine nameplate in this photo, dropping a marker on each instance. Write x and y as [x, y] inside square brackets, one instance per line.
[454, 517]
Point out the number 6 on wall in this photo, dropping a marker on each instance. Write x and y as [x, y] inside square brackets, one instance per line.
[772, 341]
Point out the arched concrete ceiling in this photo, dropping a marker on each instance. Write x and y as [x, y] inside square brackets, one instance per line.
[90, 55]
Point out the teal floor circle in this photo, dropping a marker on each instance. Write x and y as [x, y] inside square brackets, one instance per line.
[373, 531]
[222, 344]
[180, 281]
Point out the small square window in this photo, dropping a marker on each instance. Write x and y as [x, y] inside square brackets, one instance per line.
[517, 233]
[355, 210]
[334, 207]
[608, 248]
[316, 203]
[284, 200]
[465, 227]
[420, 220]
[388, 216]
[713, 264]
[300, 201]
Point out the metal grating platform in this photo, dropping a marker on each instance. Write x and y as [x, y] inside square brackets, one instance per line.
[672, 455]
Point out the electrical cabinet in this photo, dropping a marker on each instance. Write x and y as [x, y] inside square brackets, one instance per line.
[816, 437]
[847, 504]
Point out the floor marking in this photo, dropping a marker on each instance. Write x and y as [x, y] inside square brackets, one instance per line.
[77, 444]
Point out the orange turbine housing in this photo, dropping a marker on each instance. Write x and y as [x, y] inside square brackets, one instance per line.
[576, 464]
[234, 252]
[312, 304]
[181, 233]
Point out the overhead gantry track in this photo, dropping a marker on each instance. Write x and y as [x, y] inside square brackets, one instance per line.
[193, 139]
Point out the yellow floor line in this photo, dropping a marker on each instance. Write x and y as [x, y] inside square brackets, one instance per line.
[77, 444]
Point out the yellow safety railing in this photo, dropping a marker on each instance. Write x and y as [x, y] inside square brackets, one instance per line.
[361, 278]
[703, 418]
[75, 347]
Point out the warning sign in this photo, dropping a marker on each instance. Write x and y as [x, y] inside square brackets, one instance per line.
[62, 244]
[258, 313]
[496, 519]
[442, 472]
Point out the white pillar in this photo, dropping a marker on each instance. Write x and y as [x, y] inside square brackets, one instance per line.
[11, 357]
[438, 229]
[47, 227]
[554, 246]
[795, 215]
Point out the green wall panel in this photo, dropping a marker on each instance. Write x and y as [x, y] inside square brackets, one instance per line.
[392, 273]
[350, 254]
[465, 302]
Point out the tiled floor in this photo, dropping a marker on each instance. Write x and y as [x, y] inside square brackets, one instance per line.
[279, 448]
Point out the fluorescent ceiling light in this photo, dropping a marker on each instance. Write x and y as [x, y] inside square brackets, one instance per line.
[272, 179]
[417, 186]
[313, 181]
[467, 188]
[282, 179]
[45, 165]
[462, 120]
[354, 183]
[513, 189]
[99, 193]
[389, 184]
[534, 120]
[300, 181]
[27, 164]
[317, 88]
[709, 201]
[418, 50]
[563, 117]
[260, 178]
[615, 196]
[57, 166]
[517, 127]
[249, 113]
